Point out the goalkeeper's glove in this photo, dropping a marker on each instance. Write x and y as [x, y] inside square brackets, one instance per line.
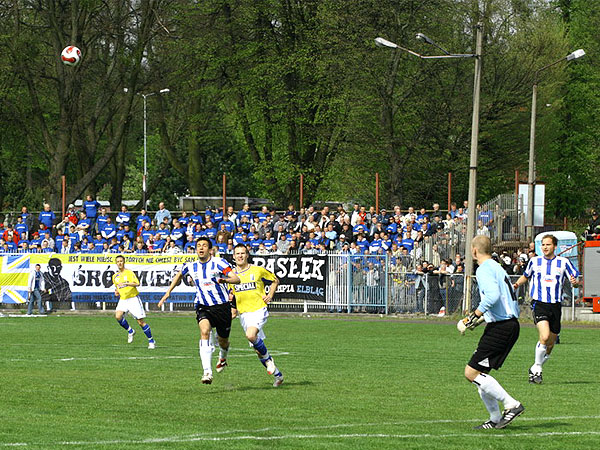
[469, 322]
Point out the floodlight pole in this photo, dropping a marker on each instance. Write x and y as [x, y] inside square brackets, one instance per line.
[145, 174]
[472, 198]
[529, 232]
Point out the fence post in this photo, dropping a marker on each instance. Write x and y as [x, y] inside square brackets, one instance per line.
[386, 290]
[425, 302]
[349, 283]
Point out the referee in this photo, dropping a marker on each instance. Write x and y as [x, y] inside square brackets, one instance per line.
[500, 310]
[546, 275]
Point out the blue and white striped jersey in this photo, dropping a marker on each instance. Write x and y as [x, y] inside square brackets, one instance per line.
[498, 299]
[546, 277]
[209, 291]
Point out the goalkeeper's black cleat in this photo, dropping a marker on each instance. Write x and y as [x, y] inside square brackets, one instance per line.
[535, 378]
[508, 415]
[487, 425]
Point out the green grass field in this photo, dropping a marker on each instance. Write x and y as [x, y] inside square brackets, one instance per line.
[72, 381]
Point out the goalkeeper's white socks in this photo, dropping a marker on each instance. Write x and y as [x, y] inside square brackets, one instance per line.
[492, 388]
[206, 351]
[491, 404]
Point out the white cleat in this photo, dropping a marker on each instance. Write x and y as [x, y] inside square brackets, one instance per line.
[130, 337]
[151, 345]
[278, 381]
[207, 378]
[270, 365]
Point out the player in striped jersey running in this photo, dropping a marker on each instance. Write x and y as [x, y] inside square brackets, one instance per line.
[546, 275]
[210, 275]
[251, 302]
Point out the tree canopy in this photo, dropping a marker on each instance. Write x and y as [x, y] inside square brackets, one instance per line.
[266, 91]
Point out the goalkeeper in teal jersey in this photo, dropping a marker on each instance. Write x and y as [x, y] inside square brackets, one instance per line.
[500, 310]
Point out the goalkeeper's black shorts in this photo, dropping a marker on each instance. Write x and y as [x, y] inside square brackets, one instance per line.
[495, 344]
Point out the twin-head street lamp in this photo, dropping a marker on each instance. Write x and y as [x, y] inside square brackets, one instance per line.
[471, 213]
[145, 174]
[531, 175]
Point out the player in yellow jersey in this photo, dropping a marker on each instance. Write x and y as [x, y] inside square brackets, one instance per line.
[251, 302]
[126, 284]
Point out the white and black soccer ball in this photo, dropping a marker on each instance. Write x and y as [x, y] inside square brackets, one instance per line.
[70, 55]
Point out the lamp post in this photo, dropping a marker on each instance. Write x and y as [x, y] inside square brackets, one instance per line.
[472, 199]
[145, 174]
[531, 175]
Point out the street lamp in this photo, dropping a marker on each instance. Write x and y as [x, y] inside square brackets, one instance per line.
[531, 175]
[472, 199]
[145, 174]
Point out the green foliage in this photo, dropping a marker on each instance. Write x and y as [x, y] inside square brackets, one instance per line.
[266, 91]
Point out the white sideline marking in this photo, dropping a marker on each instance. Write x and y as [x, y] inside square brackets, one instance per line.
[214, 436]
[125, 358]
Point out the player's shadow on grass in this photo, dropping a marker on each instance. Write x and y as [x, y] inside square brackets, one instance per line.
[522, 425]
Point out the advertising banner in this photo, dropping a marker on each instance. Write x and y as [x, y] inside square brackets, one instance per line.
[88, 277]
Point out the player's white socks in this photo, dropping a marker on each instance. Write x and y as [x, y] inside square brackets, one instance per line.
[492, 388]
[540, 358]
[205, 355]
[491, 404]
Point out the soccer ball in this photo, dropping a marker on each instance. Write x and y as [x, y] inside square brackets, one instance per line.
[70, 55]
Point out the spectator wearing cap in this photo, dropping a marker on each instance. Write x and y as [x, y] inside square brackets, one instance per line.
[11, 235]
[360, 228]
[71, 215]
[47, 217]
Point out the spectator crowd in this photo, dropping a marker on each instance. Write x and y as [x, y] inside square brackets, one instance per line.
[413, 239]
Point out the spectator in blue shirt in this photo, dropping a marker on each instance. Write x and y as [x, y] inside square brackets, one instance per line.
[109, 231]
[147, 233]
[184, 219]
[139, 221]
[244, 212]
[84, 225]
[177, 233]
[195, 217]
[91, 206]
[98, 243]
[124, 217]
[163, 231]
[101, 219]
[47, 217]
[21, 227]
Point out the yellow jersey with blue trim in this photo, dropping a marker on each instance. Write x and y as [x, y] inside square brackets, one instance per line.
[251, 290]
[127, 276]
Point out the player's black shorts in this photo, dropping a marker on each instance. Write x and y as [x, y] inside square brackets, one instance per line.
[219, 317]
[551, 312]
[495, 344]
